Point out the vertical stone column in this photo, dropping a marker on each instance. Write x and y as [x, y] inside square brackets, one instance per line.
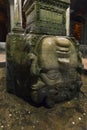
[18, 13]
[11, 13]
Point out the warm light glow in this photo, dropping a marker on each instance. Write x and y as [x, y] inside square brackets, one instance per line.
[78, 27]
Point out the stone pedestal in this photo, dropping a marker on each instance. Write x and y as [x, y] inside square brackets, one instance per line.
[46, 17]
[44, 69]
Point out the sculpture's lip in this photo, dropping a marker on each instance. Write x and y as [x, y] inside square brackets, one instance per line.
[63, 49]
[64, 60]
[63, 52]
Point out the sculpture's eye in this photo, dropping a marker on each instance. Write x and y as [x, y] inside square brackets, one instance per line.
[53, 74]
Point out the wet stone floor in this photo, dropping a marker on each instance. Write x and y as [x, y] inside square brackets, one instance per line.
[16, 114]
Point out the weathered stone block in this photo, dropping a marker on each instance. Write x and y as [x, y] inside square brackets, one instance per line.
[42, 68]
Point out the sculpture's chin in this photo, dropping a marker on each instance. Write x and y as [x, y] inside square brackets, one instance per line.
[49, 95]
[63, 60]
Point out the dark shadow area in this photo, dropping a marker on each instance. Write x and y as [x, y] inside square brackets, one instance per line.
[4, 19]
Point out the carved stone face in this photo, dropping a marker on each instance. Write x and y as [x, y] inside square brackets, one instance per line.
[57, 50]
[57, 60]
[57, 55]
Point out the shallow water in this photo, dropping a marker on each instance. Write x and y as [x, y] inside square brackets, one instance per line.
[16, 114]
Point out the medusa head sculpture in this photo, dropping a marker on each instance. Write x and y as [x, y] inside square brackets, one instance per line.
[56, 62]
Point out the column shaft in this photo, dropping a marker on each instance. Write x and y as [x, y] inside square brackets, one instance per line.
[18, 12]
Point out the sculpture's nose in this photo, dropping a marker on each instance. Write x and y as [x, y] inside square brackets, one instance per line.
[63, 46]
[63, 42]
[63, 49]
